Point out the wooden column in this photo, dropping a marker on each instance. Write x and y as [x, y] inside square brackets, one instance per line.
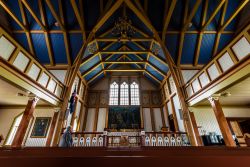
[224, 128]
[52, 128]
[198, 137]
[27, 115]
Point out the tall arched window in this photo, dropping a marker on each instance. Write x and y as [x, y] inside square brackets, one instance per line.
[124, 98]
[134, 93]
[113, 97]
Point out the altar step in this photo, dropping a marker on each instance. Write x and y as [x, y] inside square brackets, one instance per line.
[125, 157]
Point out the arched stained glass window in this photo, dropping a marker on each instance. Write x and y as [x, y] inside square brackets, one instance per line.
[124, 97]
[113, 97]
[134, 94]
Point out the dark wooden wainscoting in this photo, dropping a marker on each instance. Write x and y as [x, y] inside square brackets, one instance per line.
[125, 157]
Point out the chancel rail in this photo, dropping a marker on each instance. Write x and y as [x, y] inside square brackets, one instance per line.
[130, 139]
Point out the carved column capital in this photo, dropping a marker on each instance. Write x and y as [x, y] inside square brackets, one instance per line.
[34, 99]
[213, 98]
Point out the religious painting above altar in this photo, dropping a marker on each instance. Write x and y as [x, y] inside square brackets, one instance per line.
[124, 118]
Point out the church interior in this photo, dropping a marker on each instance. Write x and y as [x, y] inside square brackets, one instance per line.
[135, 81]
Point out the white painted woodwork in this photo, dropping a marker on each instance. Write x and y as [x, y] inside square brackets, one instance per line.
[204, 79]
[6, 48]
[188, 74]
[52, 85]
[101, 119]
[34, 72]
[21, 61]
[241, 48]
[196, 85]
[225, 62]
[59, 74]
[169, 108]
[58, 90]
[147, 119]
[43, 80]
[189, 91]
[158, 119]
[213, 72]
[90, 120]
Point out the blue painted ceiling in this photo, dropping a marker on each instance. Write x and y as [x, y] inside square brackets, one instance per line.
[92, 10]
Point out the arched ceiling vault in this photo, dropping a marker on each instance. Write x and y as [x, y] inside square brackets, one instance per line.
[192, 31]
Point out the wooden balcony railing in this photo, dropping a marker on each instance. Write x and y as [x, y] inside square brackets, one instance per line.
[228, 60]
[129, 139]
[16, 60]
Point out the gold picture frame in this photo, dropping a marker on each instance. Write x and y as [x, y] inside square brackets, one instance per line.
[40, 128]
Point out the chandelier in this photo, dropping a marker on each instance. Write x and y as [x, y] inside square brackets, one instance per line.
[123, 28]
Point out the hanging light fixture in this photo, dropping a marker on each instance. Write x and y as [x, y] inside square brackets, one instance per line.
[123, 28]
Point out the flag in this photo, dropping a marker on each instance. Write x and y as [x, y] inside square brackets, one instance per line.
[72, 101]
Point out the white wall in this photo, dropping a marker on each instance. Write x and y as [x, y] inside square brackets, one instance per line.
[90, 120]
[205, 117]
[36, 142]
[101, 119]
[147, 120]
[7, 117]
[158, 119]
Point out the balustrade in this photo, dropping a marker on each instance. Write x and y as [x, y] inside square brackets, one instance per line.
[129, 139]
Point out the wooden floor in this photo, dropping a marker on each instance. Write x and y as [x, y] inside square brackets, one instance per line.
[126, 157]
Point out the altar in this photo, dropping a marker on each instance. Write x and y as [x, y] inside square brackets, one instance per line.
[124, 138]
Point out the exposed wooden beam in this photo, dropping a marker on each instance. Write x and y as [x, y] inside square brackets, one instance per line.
[199, 40]
[217, 9]
[58, 19]
[79, 18]
[157, 69]
[73, 31]
[33, 14]
[9, 11]
[150, 53]
[25, 22]
[181, 41]
[65, 33]
[108, 5]
[123, 40]
[107, 15]
[187, 123]
[92, 69]
[124, 70]
[182, 34]
[218, 35]
[239, 8]
[46, 34]
[186, 19]
[124, 52]
[124, 62]
[168, 18]
[191, 15]
[157, 80]
[150, 47]
[94, 77]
